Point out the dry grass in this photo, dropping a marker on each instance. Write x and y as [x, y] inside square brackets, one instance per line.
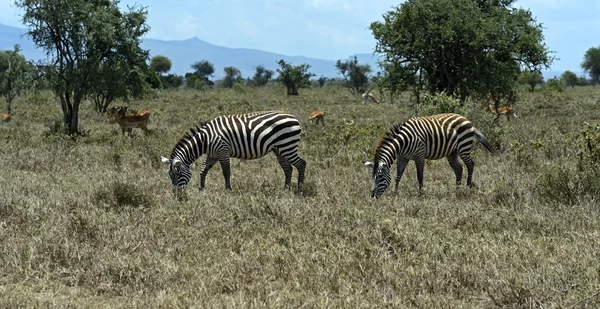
[92, 223]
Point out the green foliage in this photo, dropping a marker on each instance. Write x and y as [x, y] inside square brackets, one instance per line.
[202, 71]
[460, 47]
[172, 81]
[232, 76]
[355, 75]
[262, 76]
[322, 80]
[563, 185]
[439, 103]
[160, 64]
[569, 78]
[294, 77]
[83, 40]
[16, 75]
[555, 84]
[153, 79]
[531, 79]
[591, 63]
[582, 81]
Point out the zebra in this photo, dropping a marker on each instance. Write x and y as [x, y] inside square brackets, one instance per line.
[419, 138]
[246, 136]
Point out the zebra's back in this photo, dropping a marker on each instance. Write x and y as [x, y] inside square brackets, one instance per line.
[253, 135]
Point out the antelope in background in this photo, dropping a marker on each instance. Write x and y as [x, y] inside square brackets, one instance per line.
[367, 96]
[505, 110]
[317, 115]
[5, 117]
[131, 121]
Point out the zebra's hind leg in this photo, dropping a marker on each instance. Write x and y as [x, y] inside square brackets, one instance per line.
[286, 167]
[420, 163]
[466, 157]
[458, 170]
[225, 166]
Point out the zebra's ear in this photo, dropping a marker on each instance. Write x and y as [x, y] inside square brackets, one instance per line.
[177, 162]
[368, 164]
[165, 160]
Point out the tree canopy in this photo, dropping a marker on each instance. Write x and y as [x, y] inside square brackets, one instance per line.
[16, 75]
[232, 76]
[84, 40]
[160, 64]
[294, 77]
[591, 64]
[460, 47]
[570, 78]
[355, 75]
[262, 76]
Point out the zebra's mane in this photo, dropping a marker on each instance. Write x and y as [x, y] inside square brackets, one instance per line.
[386, 139]
[188, 135]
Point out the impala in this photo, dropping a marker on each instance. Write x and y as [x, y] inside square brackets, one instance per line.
[317, 116]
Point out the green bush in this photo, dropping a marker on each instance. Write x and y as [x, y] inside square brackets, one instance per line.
[438, 104]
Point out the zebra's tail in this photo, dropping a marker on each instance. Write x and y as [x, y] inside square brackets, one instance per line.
[481, 139]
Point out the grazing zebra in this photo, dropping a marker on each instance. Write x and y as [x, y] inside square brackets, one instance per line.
[419, 138]
[248, 136]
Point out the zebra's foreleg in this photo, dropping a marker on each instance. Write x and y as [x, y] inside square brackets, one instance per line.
[400, 167]
[286, 167]
[208, 164]
[458, 170]
[225, 166]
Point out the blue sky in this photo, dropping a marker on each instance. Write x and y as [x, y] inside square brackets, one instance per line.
[332, 29]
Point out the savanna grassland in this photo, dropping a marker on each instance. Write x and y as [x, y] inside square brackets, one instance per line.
[92, 222]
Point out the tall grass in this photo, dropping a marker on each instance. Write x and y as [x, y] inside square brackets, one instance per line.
[93, 223]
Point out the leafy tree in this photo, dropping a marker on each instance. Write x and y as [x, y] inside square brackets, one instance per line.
[232, 76]
[204, 69]
[15, 75]
[294, 77]
[172, 81]
[160, 64]
[460, 47]
[81, 39]
[322, 80]
[531, 79]
[262, 76]
[591, 64]
[569, 78]
[356, 75]
[582, 81]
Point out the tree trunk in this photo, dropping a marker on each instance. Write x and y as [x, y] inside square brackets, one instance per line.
[74, 121]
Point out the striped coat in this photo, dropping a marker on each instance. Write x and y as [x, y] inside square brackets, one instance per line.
[431, 137]
[247, 136]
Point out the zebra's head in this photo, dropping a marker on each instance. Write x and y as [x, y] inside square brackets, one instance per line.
[179, 172]
[380, 177]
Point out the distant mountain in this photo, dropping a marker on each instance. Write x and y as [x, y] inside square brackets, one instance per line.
[184, 53]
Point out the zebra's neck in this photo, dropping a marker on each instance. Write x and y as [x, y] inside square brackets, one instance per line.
[387, 150]
[192, 146]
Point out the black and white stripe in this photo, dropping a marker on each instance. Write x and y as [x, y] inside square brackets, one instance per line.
[248, 136]
[419, 138]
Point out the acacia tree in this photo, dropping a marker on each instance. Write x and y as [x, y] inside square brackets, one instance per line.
[15, 75]
[262, 76]
[531, 79]
[160, 64]
[294, 77]
[461, 47]
[232, 76]
[355, 75]
[569, 78]
[322, 80]
[80, 37]
[591, 64]
[200, 76]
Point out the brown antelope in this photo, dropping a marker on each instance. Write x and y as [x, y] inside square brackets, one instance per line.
[317, 115]
[129, 122]
[367, 96]
[5, 117]
[113, 110]
[505, 110]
